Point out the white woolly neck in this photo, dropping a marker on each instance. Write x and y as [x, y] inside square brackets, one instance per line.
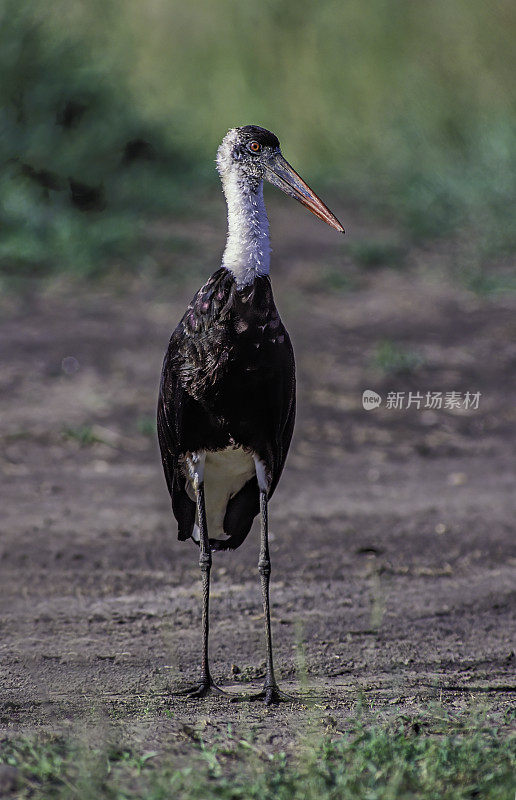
[247, 252]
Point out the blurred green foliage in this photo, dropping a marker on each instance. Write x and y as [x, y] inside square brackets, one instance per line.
[110, 110]
[373, 253]
[83, 434]
[79, 163]
[394, 359]
[430, 756]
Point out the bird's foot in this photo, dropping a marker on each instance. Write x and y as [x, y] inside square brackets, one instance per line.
[271, 695]
[203, 689]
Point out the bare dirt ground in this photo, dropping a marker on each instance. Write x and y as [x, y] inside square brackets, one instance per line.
[393, 546]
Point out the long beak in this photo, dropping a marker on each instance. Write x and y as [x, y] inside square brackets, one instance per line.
[279, 172]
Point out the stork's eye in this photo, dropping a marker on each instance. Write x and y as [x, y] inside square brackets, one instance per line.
[255, 147]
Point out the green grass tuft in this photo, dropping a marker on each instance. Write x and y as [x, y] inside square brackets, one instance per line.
[392, 358]
[434, 756]
[83, 434]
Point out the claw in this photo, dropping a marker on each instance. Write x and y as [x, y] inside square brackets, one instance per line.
[271, 695]
[203, 689]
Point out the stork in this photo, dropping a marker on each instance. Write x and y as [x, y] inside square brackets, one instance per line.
[228, 390]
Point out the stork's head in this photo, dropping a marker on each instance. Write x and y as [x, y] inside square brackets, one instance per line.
[252, 154]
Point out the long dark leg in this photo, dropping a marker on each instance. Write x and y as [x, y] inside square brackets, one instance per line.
[270, 693]
[264, 568]
[205, 565]
[206, 686]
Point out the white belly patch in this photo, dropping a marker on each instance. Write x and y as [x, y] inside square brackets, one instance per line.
[225, 472]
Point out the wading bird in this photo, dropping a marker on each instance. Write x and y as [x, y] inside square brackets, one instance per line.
[228, 390]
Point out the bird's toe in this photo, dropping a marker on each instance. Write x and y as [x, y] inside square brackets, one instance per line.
[203, 689]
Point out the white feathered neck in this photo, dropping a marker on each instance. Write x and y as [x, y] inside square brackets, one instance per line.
[247, 252]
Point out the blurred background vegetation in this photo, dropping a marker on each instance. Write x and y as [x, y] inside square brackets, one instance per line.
[111, 113]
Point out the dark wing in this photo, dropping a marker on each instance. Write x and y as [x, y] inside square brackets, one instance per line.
[171, 402]
[194, 357]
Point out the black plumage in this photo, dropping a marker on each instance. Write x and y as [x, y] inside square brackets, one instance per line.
[228, 380]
